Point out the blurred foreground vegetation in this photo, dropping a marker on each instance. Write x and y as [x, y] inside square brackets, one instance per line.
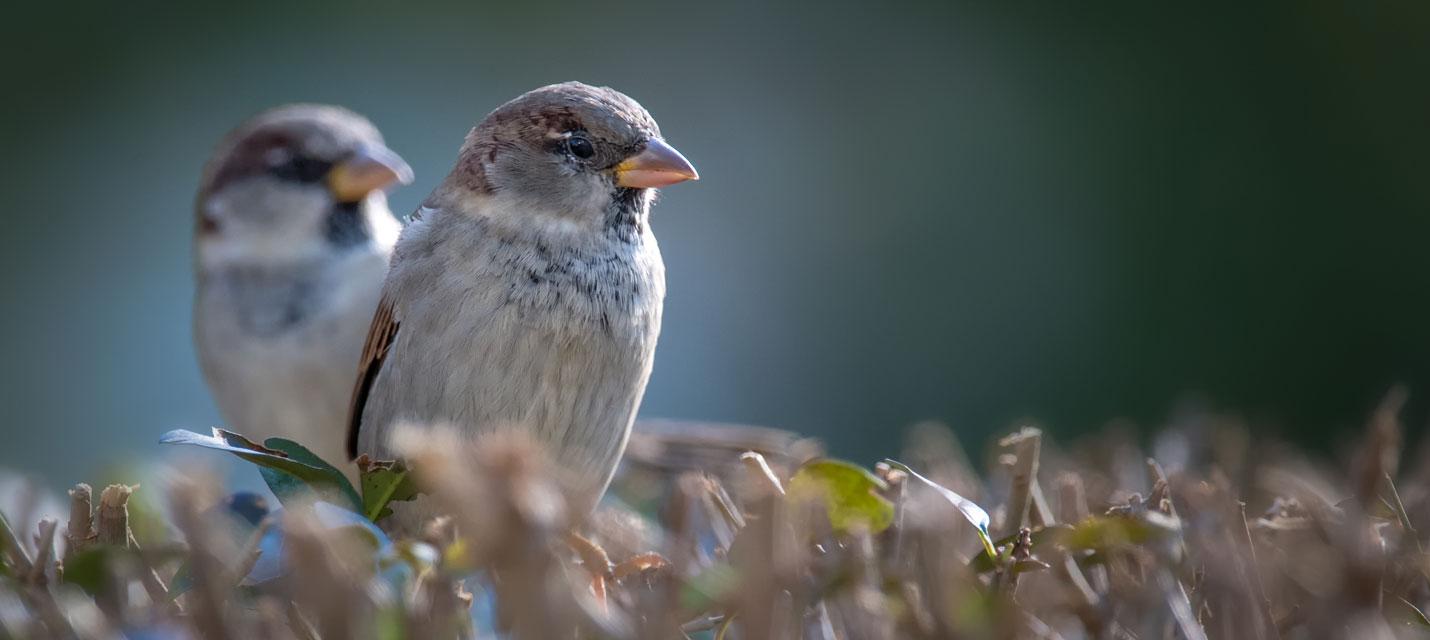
[725, 532]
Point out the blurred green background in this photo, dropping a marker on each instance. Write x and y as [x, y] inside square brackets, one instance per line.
[979, 213]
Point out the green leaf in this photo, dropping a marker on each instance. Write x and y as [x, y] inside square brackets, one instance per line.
[309, 470]
[89, 569]
[285, 485]
[713, 585]
[850, 493]
[182, 581]
[1100, 533]
[384, 482]
[1410, 612]
[975, 514]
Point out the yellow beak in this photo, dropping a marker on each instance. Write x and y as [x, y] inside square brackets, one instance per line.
[658, 165]
[368, 170]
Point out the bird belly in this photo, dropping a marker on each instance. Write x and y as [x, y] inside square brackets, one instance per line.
[294, 383]
[576, 396]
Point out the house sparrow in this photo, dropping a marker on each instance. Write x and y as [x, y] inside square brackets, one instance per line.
[291, 244]
[525, 294]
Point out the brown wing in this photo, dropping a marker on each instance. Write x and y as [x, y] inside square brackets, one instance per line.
[379, 339]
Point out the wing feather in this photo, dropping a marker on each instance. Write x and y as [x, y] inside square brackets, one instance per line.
[380, 337]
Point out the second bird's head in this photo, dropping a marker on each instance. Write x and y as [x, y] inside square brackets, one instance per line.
[567, 154]
[296, 183]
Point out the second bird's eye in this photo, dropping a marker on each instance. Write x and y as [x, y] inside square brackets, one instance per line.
[302, 169]
[580, 147]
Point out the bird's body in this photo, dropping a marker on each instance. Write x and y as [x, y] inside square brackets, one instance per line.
[526, 294]
[554, 334]
[289, 271]
[279, 345]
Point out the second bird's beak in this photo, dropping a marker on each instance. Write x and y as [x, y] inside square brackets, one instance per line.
[658, 165]
[366, 171]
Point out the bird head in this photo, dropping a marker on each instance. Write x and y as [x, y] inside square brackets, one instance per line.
[567, 153]
[294, 183]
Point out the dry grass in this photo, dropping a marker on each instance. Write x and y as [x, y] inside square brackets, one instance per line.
[716, 535]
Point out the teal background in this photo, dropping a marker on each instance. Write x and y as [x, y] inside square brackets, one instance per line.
[980, 213]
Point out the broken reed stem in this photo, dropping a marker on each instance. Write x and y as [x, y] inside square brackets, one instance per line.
[45, 556]
[153, 584]
[35, 595]
[1263, 603]
[1180, 605]
[1026, 445]
[205, 600]
[113, 528]
[80, 532]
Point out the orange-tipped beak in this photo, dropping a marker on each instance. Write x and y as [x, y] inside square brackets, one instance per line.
[368, 170]
[658, 165]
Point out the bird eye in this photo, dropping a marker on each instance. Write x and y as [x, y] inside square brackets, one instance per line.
[302, 169]
[580, 147]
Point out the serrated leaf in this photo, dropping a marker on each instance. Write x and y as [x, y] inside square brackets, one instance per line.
[311, 470]
[850, 493]
[384, 482]
[974, 514]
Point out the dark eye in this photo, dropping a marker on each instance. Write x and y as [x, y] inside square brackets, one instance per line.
[580, 147]
[302, 169]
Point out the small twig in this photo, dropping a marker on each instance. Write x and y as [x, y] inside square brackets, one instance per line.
[760, 469]
[300, 625]
[45, 556]
[1254, 572]
[1399, 509]
[153, 584]
[1026, 445]
[37, 597]
[704, 623]
[1181, 606]
[11, 546]
[639, 563]
[205, 601]
[252, 550]
[1008, 575]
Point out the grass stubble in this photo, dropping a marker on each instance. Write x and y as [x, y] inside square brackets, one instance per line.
[1220, 535]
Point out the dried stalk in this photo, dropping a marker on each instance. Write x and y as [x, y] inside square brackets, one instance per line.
[113, 528]
[80, 532]
[1026, 445]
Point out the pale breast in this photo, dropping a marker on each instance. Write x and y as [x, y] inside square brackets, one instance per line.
[280, 350]
[498, 333]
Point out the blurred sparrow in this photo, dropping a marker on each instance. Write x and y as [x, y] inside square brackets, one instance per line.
[525, 294]
[291, 247]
